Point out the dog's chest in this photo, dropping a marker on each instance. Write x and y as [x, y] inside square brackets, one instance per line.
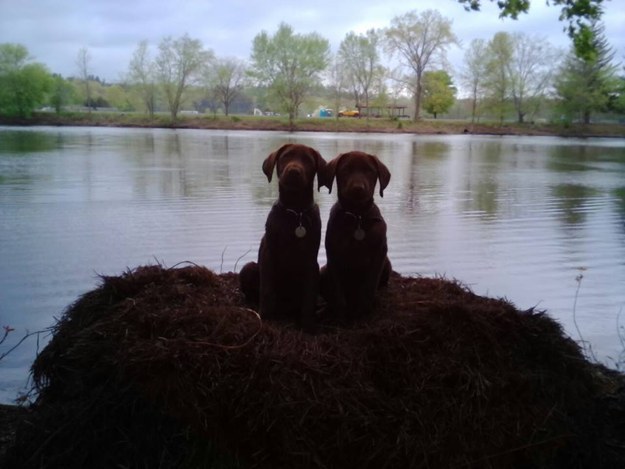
[354, 236]
[292, 230]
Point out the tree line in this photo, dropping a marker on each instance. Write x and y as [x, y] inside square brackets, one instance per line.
[510, 74]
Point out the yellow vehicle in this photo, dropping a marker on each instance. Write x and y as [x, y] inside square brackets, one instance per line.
[352, 113]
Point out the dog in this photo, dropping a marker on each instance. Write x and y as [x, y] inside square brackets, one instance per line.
[355, 242]
[285, 280]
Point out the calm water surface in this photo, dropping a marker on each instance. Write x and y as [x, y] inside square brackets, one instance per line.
[514, 217]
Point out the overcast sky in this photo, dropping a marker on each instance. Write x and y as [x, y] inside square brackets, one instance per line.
[55, 30]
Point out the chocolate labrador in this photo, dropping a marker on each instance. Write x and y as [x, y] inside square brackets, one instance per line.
[356, 248]
[285, 281]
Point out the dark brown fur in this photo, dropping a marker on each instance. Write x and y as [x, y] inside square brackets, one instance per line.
[356, 247]
[285, 281]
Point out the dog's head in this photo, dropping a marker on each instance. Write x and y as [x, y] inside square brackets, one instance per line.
[356, 175]
[295, 165]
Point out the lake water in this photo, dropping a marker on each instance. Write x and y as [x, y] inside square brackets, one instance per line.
[514, 217]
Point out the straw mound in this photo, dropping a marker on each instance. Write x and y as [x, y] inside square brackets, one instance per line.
[168, 368]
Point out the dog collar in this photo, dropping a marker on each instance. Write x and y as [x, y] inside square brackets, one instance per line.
[300, 229]
[359, 233]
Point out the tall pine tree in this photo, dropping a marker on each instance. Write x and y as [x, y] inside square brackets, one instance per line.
[587, 84]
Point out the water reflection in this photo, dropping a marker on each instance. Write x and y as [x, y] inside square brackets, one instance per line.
[619, 203]
[482, 169]
[15, 143]
[567, 159]
[571, 201]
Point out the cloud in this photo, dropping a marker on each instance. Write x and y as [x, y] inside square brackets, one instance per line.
[54, 30]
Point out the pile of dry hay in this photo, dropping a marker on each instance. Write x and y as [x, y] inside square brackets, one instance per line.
[168, 368]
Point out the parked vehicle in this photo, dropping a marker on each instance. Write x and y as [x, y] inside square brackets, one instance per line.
[348, 113]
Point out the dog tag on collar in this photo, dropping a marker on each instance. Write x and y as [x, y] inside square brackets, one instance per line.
[300, 231]
[359, 234]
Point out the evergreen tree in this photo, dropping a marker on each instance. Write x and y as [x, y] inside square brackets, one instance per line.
[588, 84]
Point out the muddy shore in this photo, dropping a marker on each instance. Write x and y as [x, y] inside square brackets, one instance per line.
[373, 125]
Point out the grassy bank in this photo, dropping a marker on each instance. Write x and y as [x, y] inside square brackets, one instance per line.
[383, 125]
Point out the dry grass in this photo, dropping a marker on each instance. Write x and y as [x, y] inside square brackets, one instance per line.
[168, 368]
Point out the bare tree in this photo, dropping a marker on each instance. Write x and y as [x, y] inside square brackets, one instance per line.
[517, 71]
[141, 74]
[178, 65]
[225, 81]
[360, 61]
[397, 86]
[336, 81]
[83, 61]
[421, 41]
[530, 71]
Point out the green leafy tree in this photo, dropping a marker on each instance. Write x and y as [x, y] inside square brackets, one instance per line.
[580, 15]
[498, 81]
[180, 64]
[289, 65]
[118, 96]
[513, 72]
[588, 85]
[23, 83]
[474, 73]
[360, 60]
[421, 42]
[142, 76]
[439, 93]
[61, 93]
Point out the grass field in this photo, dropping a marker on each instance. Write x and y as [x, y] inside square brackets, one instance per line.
[344, 124]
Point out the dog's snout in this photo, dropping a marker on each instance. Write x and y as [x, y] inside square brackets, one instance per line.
[358, 188]
[292, 175]
[293, 171]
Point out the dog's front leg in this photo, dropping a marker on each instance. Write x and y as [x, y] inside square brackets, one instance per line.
[371, 283]
[338, 295]
[310, 291]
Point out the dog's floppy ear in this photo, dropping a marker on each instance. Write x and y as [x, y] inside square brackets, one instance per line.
[384, 175]
[326, 176]
[270, 162]
[321, 168]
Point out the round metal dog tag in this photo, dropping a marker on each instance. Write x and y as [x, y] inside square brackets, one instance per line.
[300, 231]
[359, 234]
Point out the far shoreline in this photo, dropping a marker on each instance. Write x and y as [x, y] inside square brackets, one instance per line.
[337, 125]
